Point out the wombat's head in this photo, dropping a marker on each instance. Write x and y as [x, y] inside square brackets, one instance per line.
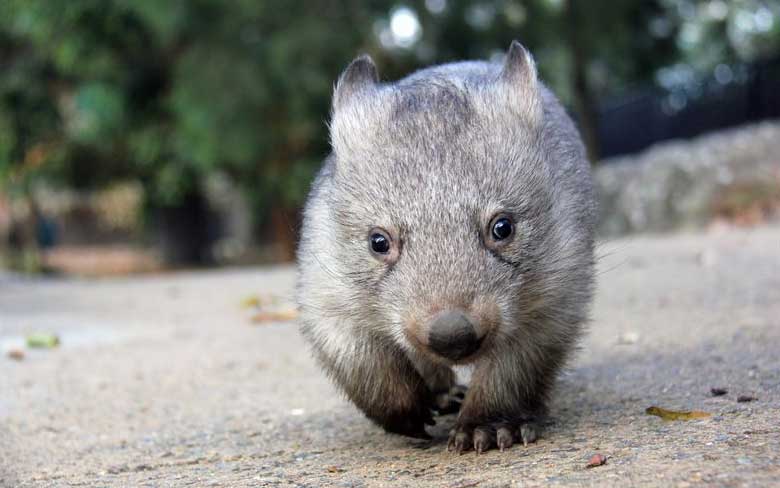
[442, 204]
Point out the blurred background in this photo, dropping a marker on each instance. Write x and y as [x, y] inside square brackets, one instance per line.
[139, 135]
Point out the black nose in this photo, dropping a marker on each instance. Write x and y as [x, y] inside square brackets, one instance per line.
[452, 335]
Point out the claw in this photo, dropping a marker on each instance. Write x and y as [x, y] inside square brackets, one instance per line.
[504, 438]
[482, 440]
[462, 442]
[489, 435]
[527, 434]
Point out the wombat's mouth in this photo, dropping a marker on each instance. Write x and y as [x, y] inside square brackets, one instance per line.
[456, 356]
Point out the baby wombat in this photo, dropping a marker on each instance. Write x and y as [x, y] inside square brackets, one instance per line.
[452, 224]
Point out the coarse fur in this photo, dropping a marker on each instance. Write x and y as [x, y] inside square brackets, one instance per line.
[431, 159]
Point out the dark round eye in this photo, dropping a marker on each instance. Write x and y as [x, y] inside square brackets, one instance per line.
[502, 228]
[379, 242]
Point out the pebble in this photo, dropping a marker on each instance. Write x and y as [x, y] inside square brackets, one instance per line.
[628, 338]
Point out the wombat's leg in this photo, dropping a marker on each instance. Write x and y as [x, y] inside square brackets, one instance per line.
[381, 380]
[440, 379]
[505, 403]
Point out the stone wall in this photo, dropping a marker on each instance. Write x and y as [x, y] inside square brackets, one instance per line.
[732, 174]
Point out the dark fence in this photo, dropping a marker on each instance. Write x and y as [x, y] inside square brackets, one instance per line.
[643, 117]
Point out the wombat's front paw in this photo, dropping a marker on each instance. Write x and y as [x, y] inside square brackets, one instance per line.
[489, 435]
[410, 424]
[449, 401]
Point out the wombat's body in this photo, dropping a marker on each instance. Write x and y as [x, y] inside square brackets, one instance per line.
[452, 224]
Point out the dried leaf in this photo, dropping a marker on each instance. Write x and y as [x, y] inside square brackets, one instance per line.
[676, 415]
[596, 460]
[252, 301]
[335, 469]
[43, 340]
[260, 301]
[16, 354]
[275, 316]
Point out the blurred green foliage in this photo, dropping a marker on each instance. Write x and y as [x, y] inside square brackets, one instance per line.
[170, 91]
[167, 92]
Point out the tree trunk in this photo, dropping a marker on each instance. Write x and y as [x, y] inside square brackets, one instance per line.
[186, 231]
[285, 236]
[584, 103]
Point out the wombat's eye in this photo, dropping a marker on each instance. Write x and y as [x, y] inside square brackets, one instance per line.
[384, 245]
[379, 241]
[501, 228]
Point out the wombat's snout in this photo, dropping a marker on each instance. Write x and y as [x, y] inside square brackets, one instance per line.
[452, 335]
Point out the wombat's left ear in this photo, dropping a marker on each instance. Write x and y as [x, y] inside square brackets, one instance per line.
[520, 83]
[359, 77]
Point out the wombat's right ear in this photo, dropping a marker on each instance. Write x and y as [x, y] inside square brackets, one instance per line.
[359, 77]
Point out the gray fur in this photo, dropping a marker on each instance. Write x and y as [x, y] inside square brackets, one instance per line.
[431, 158]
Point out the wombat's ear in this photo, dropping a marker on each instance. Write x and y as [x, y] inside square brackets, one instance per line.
[360, 76]
[520, 81]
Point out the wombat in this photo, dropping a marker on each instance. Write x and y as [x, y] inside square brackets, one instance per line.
[452, 224]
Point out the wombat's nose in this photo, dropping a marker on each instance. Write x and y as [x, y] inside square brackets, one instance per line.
[452, 335]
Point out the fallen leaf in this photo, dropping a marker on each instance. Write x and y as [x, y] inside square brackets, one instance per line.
[746, 398]
[335, 469]
[718, 391]
[259, 301]
[16, 354]
[251, 301]
[275, 316]
[596, 460]
[42, 340]
[676, 415]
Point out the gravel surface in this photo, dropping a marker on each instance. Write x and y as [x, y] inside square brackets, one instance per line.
[166, 381]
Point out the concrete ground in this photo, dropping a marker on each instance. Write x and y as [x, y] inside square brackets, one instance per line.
[165, 381]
